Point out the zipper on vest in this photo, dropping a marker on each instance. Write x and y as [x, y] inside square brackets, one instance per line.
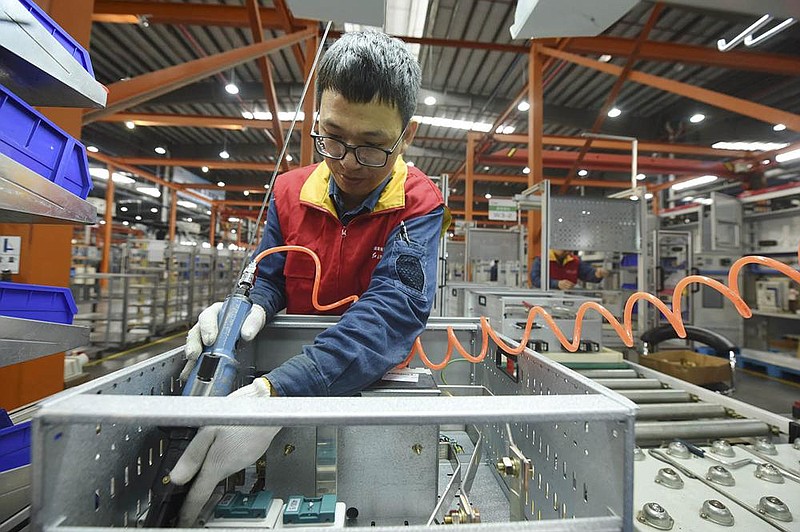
[344, 232]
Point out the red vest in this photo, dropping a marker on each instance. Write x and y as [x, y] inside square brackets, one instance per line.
[568, 270]
[348, 254]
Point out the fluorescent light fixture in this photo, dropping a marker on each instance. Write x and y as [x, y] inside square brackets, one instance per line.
[204, 169]
[605, 58]
[483, 127]
[430, 100]
[187, 204]
[526, 170]
[697, 118]
[246, 192]
[149, 191]
[583, 172]
[233, 231]
[154, 209]
[289, 157]
[687, 199]
[138, 217]
[614, 112]
[102, 222]
[779, 127]
[788, 156]
[266, 185]
[705, 201]
[120, 179]
[523, 106]
[126, 223]
[641, 177]
[634, 198]
[130, 125]
[648, 196]
[487, 196]
[189, 219]
[696, 182]
[410, 163]
[749, 146]
[93, 149]
[232, 88]
[123, 209]
[234, 219]
[208, 212]
[247, 115]
[507, 130]
[206, 245]
[766, 161]
[485, 168]
[161, 150]
[224, 154]
[220, 183]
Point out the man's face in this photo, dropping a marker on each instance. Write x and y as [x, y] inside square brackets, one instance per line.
[361, 124]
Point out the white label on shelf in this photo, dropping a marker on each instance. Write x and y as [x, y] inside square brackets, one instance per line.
[9, 253]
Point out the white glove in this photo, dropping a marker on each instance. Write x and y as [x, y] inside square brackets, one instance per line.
[217, 452]
[205, 332]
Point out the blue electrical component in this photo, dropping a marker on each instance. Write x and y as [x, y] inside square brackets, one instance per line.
[237, 505]
[306, 510]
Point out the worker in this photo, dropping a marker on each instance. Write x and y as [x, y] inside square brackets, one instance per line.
[565, 270]
[375, 223]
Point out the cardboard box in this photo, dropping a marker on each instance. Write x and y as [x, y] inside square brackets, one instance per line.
[689, 366]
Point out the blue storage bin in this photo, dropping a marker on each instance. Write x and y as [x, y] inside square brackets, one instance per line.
[63, 38]
[15, 443]
[34, 302]
[33, 141]
[629, 260]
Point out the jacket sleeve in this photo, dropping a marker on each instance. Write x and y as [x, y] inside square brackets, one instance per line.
[536, 277]
[377, 332]
[586, 273]
[269, 290]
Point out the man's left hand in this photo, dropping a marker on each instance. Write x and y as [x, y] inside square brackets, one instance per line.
[217, 452]
[601, 273]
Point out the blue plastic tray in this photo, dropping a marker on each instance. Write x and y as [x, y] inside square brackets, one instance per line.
[15, 443]
[34, 302]
[33, 141]
[63, 38]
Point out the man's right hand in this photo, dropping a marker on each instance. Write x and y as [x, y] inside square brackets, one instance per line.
[565, 284]
[206, 329]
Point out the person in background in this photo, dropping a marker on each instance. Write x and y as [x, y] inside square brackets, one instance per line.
[565, 271]
[375, 223]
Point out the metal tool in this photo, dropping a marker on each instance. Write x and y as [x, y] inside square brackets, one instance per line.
[213, 375]
[697, 451]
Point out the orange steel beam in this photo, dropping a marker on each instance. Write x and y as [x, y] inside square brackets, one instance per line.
[128, 12]
[212, 227]
[125, 94]
[309, 104]
[713, 98]
[644, 146]
[289, 25]
[105, 263]
[252, 189]
[615, 90]
[265, 67]
[198, 163]
[238, 203]
[173, 213]
[687, 53]
[165, 120]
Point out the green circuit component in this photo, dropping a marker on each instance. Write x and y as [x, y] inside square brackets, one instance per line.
[305, 510]
[235, 505]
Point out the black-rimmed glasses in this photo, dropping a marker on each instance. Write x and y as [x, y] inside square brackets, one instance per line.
[371, 156]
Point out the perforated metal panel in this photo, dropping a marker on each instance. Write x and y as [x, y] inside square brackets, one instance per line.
[596, 224]
[492, 244]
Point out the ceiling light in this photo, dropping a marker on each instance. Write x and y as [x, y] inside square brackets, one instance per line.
[487, 196]
[154, 209]
[648, 195]
[246, 192]
[523, 106]
[233, 231]
[583, 172]
[410, 163]
[189, 219]
[266, 185]
[289, 157]
[208, 213]
[526, 170]
[614, 112]
[93, 149]
[687, 199]
[204, 169]
[766, 161]
[231, 88]
[126, 223]
[102, 222]
[605, 58]
[779, 127]
[697, 117]
[149, 191]
[750, 146]
[697, 181]
[634, 198]
[705, 201]
[507, 130]
[120, 179]
[206, 245]
[483, 127]
[224, 154]
[160, 150]
[641, 177]
[123, 209]
[130, 125]
[485, 168]
[430, 100]
[138, 217]
[247, 115]
[233, 219]
[788, 156]
[220, 183]
[187, 204]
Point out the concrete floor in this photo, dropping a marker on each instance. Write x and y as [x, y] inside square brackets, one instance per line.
[774, 395]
